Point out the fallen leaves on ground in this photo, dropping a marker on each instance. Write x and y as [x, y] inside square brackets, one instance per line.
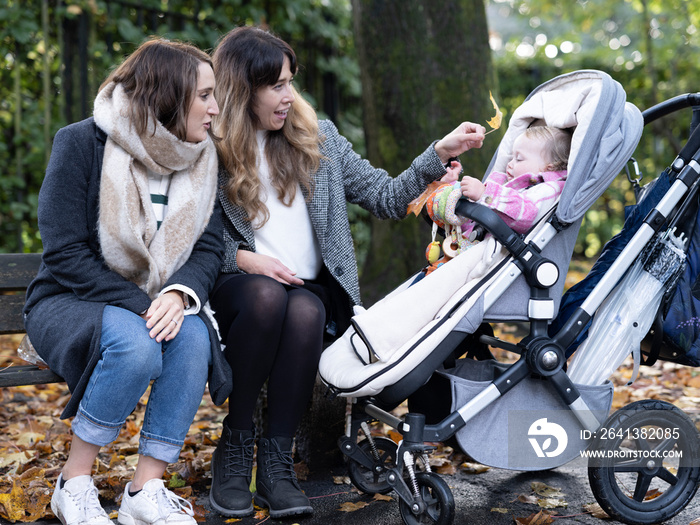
[471, 467]
[548, 497]
[34, 441]
[352, 506]
[540, 518]
[595, 510]
[34, 445]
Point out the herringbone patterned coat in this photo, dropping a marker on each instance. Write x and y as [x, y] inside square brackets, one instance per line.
[342, 177]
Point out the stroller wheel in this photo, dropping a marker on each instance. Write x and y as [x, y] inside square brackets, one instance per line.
[647, 470]
[436, 505]
[373, 481]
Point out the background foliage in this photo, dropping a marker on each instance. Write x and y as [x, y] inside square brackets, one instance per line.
[54, 54]
[650, 46]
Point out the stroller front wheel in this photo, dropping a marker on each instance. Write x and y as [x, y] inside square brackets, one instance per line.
[437, 505]
[643, 464]
[373, 480]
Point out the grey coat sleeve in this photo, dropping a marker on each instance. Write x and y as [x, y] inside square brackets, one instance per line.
[372, 188]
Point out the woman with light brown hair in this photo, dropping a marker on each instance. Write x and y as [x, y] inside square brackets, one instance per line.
[289, 274]
[132, 240]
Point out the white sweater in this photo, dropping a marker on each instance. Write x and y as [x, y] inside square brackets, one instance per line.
[288, 234]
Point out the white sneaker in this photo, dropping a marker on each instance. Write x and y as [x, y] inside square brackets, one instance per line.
[155, 505]
[77, 503]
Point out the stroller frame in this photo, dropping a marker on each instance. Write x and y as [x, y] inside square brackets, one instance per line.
[377, 465]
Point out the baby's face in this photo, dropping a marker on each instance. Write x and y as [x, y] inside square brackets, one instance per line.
[528, 157]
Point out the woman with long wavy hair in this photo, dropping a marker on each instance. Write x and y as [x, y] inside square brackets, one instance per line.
[289, 272]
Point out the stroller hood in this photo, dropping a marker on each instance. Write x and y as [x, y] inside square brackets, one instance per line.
[606, 133]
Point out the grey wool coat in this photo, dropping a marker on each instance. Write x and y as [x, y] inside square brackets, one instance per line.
[63, 309]
[342, 177]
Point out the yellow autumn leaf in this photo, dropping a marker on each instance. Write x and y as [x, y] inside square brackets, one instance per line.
[13, 503]
[541, 518]
[597, 511]
[29, 438]
[542, 489]
[495, 122]
[349, 506]
[551, 503]
[261, 514]
[474, 468]
[20, 458]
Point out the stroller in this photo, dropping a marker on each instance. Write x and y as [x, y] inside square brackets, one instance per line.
[530, 413]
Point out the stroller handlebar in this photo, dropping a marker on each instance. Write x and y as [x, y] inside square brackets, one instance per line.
[670, 106]
[493, 223]
[692, 147]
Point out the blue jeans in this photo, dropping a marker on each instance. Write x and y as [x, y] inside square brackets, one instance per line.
[130, 360]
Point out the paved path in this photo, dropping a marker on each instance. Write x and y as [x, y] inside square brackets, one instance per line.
[475, 496]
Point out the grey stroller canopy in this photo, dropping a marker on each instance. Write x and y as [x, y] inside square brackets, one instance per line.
[607, 130]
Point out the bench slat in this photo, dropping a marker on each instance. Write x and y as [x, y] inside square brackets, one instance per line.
[17, 270]
[27, 375]
[11, 321]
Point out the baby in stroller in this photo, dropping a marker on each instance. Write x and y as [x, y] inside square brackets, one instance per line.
[394, 347]
[533, 180]
[529, 187]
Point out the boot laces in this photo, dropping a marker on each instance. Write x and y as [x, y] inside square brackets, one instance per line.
[281, 466]
[238, 460]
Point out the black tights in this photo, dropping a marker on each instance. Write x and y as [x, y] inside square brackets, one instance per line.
[272, 332]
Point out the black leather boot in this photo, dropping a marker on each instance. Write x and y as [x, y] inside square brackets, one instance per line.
[231, 473]
[277, 487]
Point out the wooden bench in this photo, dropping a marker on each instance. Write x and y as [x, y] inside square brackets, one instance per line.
[16, 272]
[315, 439]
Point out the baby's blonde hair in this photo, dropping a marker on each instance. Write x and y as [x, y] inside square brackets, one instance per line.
[557, 145]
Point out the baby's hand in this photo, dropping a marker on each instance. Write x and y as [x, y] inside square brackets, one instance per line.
[453, 172]
[472, 188]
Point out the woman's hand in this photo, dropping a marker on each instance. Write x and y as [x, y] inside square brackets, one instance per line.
[465, 137]
[453, 171]
[164, 316]
[472, 188]
[258, 263]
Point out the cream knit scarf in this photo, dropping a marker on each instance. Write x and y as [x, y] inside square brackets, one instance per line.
[131, 243]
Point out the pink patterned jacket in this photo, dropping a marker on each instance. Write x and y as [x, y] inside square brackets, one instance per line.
[522, 201]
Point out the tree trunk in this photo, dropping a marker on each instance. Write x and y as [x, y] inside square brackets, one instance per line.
[426, 67]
